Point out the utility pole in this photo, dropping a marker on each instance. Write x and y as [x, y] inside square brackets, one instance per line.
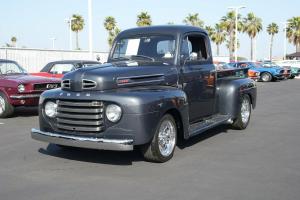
[90, 19]
[236, 10]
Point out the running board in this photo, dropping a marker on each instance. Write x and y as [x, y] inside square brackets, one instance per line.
[204, 125]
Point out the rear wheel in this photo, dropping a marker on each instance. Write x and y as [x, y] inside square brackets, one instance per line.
[6, 109]
[266, 77]
[243, 118]
[162, 146]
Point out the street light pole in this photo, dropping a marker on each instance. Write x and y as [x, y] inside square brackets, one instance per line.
[236, 10]
[284, 39]
[90, 28]
[53, 42]
[69, 21]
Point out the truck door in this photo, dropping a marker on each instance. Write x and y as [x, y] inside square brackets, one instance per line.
[198, 76]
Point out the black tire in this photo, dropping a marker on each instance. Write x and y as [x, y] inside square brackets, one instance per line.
[151, 151]
[6, 109]
[266, 77]
[239, 123]
[292, 77]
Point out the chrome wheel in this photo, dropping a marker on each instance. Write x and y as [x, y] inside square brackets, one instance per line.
[266, 77]
[245, 110]
[167, 137]
[2, 105]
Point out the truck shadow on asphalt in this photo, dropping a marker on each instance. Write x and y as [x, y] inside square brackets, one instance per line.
[117, 157]
[25, 112]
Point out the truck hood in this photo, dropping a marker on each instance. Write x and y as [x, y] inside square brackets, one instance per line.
[27, 79]
[121, 74]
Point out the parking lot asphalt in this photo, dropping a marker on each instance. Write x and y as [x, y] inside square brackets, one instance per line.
[261, 162]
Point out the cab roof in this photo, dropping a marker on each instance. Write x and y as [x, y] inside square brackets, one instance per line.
[162, 29]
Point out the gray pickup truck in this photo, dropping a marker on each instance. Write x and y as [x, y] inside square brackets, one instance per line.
[158, 87]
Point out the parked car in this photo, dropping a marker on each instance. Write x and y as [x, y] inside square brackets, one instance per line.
[294, 65]
[17, 88]
[287, 69]
[266, 73]
[57, 69]
[253, 74]
[159, 85]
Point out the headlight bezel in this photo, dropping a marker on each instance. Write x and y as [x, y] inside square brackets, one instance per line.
[21, 88]
[50, 105]
[113, 109]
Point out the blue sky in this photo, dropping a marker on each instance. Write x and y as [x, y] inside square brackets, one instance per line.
[33, 22]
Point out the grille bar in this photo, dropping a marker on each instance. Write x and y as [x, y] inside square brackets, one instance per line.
[72, 116]
[80, 104]
[79, 128]
[79, 122]
[79, 110]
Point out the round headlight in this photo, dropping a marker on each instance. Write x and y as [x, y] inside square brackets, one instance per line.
[113, 112]
[51, 109]
[21, 88]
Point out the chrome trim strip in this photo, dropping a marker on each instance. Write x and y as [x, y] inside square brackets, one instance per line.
[83, 142]
[25, 96]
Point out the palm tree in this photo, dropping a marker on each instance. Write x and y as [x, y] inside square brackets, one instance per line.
[110, 25]
[210, 30]
[13, 41]
[144, 19]
[77, 25]
[252, 26]
[193, 20]
[272, 29]
[293, 32]
[218, 36]
[228, 24]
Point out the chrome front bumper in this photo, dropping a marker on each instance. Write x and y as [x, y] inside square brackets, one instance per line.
[83, 142]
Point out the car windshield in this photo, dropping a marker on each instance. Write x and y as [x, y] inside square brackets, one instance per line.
[151, 48]
[11, 68]
[269, 64]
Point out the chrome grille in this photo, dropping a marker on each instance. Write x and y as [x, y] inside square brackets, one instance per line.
[66, 84]
[80, 116]
[88, 84]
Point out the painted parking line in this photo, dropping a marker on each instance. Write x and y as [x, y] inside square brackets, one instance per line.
[1, 123]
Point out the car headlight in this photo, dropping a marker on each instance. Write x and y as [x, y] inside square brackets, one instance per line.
[21, 88]
[51, 109]
[113, 112]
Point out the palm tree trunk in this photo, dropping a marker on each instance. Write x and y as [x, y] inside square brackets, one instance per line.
[271, 47]
[218, 50]
[231, 47]
[77, 42]
[251, 56]
[298, 47]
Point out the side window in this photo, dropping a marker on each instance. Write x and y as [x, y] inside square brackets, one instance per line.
[195, 47]
[61, 68]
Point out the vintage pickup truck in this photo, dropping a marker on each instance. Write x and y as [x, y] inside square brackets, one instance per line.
[158, 87]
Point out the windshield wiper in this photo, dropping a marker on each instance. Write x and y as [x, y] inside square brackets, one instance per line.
[143, 56]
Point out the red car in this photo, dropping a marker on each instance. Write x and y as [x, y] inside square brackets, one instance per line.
[17, 88]
[57, 69]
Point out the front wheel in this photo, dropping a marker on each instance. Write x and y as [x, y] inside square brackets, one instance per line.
[6, 109]
[162, 146]
[266, 77]
[244, 114]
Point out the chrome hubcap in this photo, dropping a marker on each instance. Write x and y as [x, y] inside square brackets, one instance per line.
[245, 111]
[166, 138]
[265, 77]
[2, 105]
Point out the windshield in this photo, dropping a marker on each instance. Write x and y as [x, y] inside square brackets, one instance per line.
[153, 48]
[7, 68]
